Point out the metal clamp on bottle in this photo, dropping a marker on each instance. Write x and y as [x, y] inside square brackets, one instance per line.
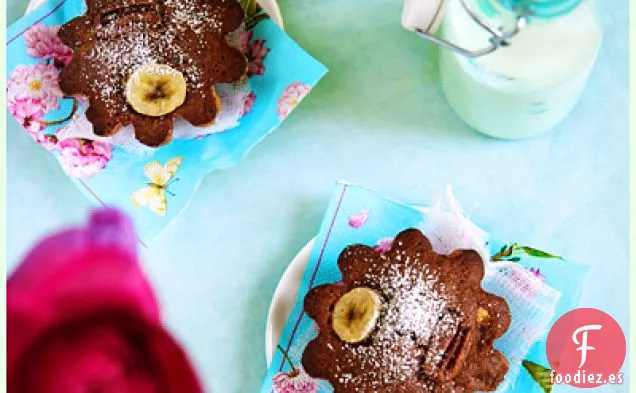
[424, 18]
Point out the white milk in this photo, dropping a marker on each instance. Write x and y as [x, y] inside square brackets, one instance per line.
[528, 87]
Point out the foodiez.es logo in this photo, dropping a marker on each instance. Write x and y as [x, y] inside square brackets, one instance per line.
[586, 348]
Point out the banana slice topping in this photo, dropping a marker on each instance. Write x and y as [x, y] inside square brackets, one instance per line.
[155, 89]
[356, 314]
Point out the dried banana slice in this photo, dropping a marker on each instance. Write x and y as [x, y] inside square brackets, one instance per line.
[356, 313]
[155, 89]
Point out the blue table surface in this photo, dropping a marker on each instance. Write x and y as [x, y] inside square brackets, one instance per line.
[378, 118]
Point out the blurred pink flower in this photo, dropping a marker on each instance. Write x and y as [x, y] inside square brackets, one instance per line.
[384, 245]
[82, 316]
[291, 97]
[83, 158]
[35, 84]
[255, 51]
[295, 381]
[42, 42]
[248, 103]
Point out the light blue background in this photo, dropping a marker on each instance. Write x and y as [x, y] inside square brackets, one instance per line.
[379, 119]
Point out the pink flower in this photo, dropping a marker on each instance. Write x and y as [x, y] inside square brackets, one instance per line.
[43, 43]
[255, 51]
[384, 245]
[255, 56]
[359, 219]
[28, 113]
[537, 273]
[33, 127]
[47, 141]
[295, 381]
[291, 97]
[248, 103]
[244, 38]
[36, 84]
[83, 158]
[82, 316]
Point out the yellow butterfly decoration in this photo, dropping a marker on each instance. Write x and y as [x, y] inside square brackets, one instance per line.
[154, 194]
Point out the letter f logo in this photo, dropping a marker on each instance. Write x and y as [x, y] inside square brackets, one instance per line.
[583, 344]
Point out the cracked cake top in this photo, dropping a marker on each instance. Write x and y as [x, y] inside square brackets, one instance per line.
[408, 320]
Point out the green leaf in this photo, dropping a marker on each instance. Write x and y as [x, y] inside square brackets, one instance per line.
[253, 20]
[514, 259]
[245, 4]
[511, 249]
[538, 253]
[540, 374]
[251, 7]
[504, 253]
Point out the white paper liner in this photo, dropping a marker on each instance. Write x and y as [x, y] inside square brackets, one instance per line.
[232, 98]
[532, 302]
[448, 228]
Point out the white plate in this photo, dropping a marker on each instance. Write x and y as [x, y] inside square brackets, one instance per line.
[284, 298]
[270, 6]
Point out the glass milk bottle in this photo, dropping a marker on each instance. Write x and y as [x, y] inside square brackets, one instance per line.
[511, 69]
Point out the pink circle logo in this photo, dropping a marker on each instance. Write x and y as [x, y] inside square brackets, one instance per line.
[586, 348]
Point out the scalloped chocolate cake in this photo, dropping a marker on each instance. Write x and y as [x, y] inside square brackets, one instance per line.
[409, 320]
[148, 62]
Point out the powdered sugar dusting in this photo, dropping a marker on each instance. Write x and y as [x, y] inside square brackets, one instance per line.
[150, 34]
[115, 60]
[194, 15]
[414, 316]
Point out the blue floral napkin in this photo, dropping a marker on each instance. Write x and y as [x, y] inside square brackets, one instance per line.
[164, 180]
[358, 216]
